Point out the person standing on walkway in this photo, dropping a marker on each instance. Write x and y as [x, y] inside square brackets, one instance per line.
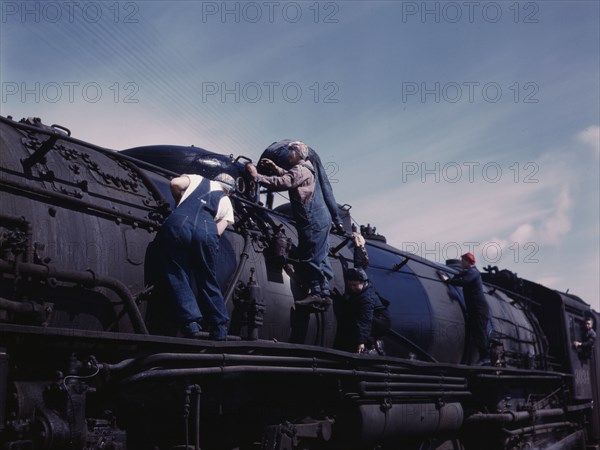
[189, 244]
[477, 308]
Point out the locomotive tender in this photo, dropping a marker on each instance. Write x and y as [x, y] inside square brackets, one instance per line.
[88, 359]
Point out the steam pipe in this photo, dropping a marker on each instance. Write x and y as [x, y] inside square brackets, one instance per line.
[238, 271]
[518, 378]
[157, 374]
[538, 428]
[410, 394]
[412, 389]
[197, 417]
[88, 278]
[190, 372]
[161, 359]
[517, 416]
[4, 370]
[20, 307]
[193, 390]
[364, 386]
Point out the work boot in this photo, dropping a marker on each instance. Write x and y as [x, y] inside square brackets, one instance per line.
[218, 333]
[191, 330]
[379, 347]
[314, 295]
[313, 303]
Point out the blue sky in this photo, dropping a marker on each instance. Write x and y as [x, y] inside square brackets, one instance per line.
[450, 126]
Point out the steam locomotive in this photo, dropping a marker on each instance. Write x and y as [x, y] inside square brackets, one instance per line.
[89, 360]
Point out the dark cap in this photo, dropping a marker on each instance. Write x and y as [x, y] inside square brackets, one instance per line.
[356, 275]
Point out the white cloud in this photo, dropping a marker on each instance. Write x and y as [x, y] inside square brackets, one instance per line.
[551, 228]
[591, 136]
[523, 233]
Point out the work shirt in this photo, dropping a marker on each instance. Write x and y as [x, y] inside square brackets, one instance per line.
[277, 152]
[299, 181]
[225, 208]
[470, 280]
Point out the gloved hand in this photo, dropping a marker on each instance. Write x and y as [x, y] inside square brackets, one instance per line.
[268, 164]
[358, 240]
[442, 276]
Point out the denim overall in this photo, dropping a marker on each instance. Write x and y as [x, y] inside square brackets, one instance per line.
[313, 223]
[189, 243]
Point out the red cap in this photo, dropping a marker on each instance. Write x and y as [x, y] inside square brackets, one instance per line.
[469, 257]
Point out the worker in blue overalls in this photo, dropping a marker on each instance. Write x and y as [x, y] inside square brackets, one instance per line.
[189, 244]
[309, 211]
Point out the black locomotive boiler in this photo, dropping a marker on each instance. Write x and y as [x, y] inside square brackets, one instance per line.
[88, 359]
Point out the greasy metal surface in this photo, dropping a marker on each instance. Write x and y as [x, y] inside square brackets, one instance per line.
[89, 357]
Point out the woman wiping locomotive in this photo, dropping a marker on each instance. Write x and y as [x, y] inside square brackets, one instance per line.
[477, 308]
[309, 210]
